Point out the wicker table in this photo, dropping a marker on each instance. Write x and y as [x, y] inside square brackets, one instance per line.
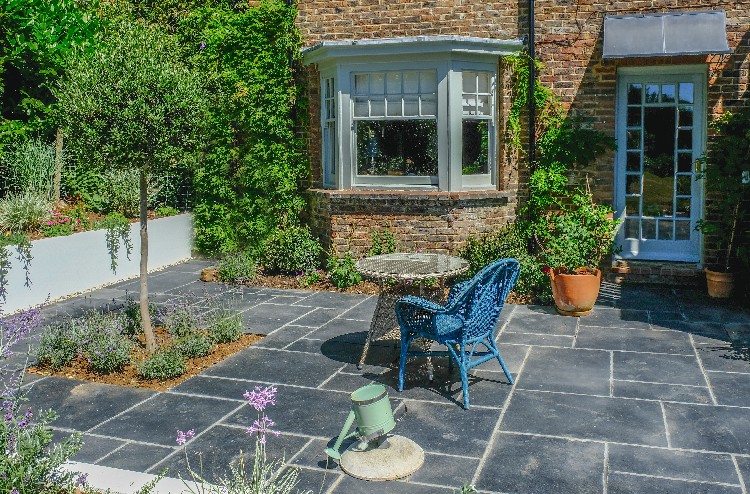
[403, 268]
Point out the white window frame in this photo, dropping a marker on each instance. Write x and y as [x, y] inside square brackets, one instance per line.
[449, 57]
[329, 130]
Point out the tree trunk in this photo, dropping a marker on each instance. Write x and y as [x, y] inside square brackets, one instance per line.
[145, 316]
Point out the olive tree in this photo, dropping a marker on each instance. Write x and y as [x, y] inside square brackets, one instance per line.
[131, 105]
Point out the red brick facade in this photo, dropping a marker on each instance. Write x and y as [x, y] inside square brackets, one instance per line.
[569, 42]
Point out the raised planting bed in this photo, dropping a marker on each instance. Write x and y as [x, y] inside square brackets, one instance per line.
[62, 266]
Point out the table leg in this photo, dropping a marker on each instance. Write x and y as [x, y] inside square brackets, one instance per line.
[383, 321]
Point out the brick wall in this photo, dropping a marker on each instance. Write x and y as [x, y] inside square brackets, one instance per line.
[569, 43]
[427, 221]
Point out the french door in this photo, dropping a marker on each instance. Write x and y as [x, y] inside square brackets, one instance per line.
[660, 135]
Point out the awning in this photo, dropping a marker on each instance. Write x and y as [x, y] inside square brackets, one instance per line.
[668, 34]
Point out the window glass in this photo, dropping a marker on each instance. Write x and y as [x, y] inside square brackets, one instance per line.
[475, 152]
[397, 147]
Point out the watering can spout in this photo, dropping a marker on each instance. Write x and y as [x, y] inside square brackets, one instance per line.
[371, 410]
[334, 451]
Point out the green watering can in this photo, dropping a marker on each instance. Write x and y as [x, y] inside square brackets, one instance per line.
[371, 409]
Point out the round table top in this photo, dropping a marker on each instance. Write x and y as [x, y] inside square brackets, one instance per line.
[411, 266]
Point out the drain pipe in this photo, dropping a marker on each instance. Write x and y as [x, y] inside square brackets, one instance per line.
[532, 80]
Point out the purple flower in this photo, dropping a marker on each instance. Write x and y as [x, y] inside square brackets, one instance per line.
[260, 398]
[82, 479]
[202, 46]
[182, 437]
[262, 426]
[14, 491]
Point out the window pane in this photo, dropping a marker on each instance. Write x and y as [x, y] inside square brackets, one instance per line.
[665, 229]
[652, 93]
[634, 116]
[634, 94]
[483, 105]
[631, 228]
[632, 206]
[686, 92]
[684, 139]
[361, 107]
[361, 84]
[634, 139]
[686, 116]
[393, 83]
[483, 83]
[476, 139]
[411, 82]
[634, 161]
[428, 81]
[469, 104]
[429, 105]
[683, 207]
[377, 83]
[377, 108]
[667, 94]
[411, 106]
[469, 81]
[633, 184]
[685, 162]
[649, 228]
[394, 107]
[684, 184]
[396, 147]
[682, 230]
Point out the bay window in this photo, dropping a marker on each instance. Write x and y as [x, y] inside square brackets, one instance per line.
[411, 113]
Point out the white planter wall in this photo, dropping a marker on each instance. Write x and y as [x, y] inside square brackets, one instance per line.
[66, 265]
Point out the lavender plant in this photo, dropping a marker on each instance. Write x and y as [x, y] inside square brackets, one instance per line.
[29, 461]
[266, 477]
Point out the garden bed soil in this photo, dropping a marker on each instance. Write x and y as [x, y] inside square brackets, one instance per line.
[129, 377]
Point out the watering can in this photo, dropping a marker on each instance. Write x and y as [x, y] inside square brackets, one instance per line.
[371, 410]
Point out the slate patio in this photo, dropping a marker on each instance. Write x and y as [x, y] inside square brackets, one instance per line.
[651, 393]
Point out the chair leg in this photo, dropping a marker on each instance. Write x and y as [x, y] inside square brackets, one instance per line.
[465, 386]
[505, 369]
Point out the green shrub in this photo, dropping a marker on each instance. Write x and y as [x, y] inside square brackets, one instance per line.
[194, 345]
[164, 210]
[226, 327]
[21, 212]
[31, 167]
[237, 267]
[510, 240]
[291, 250]
[383, 242]
[162, 365]
[309, 278]
[132, 317]
[181, 320]
[58, 345]
[341, 270]
[108, 353]
[120, 192]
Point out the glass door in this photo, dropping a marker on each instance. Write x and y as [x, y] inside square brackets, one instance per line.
[660, 135]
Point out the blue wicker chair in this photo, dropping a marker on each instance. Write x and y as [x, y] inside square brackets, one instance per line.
[466, 321]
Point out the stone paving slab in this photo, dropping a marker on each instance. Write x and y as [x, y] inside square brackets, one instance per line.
[648, 394]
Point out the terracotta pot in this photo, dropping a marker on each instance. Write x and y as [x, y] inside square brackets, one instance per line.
[575, 294]
[720, 284]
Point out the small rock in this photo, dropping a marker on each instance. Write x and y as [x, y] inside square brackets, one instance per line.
[210, 274]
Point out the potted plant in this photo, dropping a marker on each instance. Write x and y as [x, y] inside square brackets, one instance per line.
[574, 241]
[726, 171]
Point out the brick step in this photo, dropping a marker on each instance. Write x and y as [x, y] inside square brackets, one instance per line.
[655, 272]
